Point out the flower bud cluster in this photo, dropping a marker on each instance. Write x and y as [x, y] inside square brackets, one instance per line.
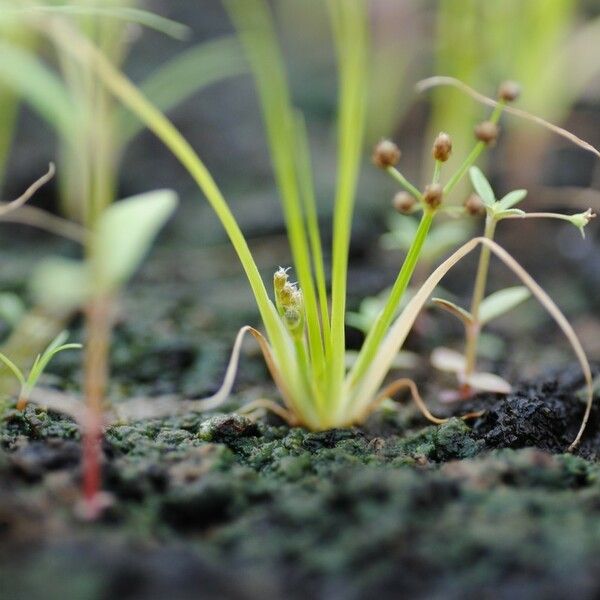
[289, 301]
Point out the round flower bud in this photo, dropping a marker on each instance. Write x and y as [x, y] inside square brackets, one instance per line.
[403, 202]
[433, 195]
[509, 91]
[486, 132]
[474, 205]
[386, 154]
[442, 147]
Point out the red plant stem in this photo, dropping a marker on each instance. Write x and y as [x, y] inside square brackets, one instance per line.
[98, 324]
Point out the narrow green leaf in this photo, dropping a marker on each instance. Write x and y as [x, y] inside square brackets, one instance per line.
[125, 233]
[59, 340]
[482, 186]
[23, 72]
[254, 22]
[42, 361]
[181, 77]
[15, 370]
[501, 302]
[349, 20]
[511, 199]
[132, 15]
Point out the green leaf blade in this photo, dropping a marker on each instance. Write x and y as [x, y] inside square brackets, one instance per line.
[501, 302]
[511, 199]
[482, 186]
[15, 370]
[125, 233]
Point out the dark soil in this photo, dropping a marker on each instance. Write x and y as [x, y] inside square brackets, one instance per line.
[221, 507]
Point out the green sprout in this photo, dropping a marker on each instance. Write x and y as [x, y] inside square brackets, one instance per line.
[304, 344]
[485, 309]
[29, 381]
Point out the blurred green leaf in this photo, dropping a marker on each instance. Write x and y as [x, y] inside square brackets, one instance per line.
[178, 79]
[41, 362]
[11, 308]
[61, 283]
[24, 73]
[132, 15]
[501, 302]
[482, 186]
[511, 199]
[125, 233]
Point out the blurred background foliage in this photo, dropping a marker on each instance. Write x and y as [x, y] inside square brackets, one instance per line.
[550, 46]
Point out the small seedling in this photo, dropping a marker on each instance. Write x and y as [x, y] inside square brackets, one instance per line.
[485, 309]
[29, 381]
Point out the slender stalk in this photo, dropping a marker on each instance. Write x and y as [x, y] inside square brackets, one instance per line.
[540, 215]
[478, 293]
[386, 316]
[98, 324]
[405, 183]
[437, 171]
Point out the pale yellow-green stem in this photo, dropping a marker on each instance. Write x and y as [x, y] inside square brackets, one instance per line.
[474, 327]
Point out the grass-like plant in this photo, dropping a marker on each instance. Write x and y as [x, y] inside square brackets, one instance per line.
[304, 345]
[304, 342]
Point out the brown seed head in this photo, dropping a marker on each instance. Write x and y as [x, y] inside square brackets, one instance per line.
[474, 205]
[442, 147]
[486, 132]
[386, 154]
[433, 195]
[509, 91]
[403, 202]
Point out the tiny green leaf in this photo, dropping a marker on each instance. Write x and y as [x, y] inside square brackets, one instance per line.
[501, 302]
[124, 235]
[41, 362]
[15, 370]
[511, 199]
[459, 312]
[482, 186]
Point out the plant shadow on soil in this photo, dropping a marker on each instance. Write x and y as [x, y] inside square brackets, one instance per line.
[217, 506]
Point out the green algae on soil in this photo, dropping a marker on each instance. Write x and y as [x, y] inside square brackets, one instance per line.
[217, 506]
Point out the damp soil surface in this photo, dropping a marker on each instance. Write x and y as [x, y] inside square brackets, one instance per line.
[218, 506]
